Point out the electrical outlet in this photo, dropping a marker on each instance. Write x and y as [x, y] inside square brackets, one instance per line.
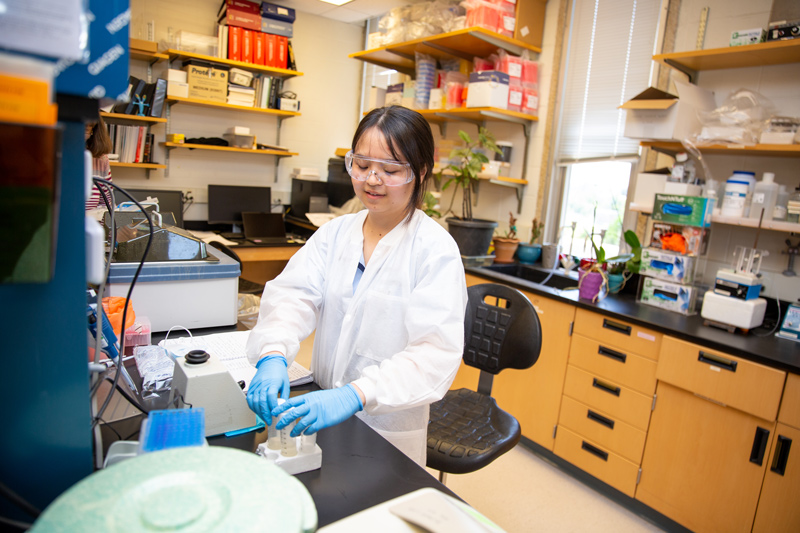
[197, 195]
[280, 197]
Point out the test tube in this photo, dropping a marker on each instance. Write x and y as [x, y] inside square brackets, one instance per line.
[307, 443]
[273, 435]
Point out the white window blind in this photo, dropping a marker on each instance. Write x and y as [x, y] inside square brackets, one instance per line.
[608, 62]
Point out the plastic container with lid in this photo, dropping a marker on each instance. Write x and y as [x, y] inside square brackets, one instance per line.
[779, 213]
[735, 196]
[750, 178]
[765, 195]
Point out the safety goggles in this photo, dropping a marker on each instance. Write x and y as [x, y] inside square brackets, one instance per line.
[390, 173]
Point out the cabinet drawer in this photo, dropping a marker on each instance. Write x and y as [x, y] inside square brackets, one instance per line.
[747, 386]
[626, 368]
[599, 427]
[790, 405]
[625, 335]
[597, 461]
[608, 396]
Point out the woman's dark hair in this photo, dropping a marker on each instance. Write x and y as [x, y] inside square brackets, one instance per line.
[99, 143]
[409, 137]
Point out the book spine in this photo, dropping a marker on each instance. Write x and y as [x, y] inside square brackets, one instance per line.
[281, 52]
[258, 48]
[224, 43]
[291, 63]
[243, 19]
[247, 46]
[235, 43]
[270, 50]
[139, 147]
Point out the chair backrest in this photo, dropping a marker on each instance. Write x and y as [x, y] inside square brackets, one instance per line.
[496, 337]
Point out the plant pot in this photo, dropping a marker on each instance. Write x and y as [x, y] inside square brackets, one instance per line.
[550, 255]
[615, 282]
[472, 236]
[504, 250]
[529, 253]
[590, 283]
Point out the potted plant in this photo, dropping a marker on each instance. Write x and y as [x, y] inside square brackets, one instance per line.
[531, 252]
[473, 236]
[611, 269]
[506, 246]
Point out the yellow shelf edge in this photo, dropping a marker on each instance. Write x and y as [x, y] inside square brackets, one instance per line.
[227, 149]
[263, 110]
[123, 116]
[137, 165]
[281, 72]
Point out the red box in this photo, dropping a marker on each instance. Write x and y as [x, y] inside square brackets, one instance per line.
[235, 43]
[270, 50]
[247, 46]
[242, 19]
[515, 95]
[244, 5]
[258, 48]
[530, 74]
[511, 65]
[530, 101]
[281, 54]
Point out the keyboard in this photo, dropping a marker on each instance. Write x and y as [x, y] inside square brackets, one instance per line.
[232, 236]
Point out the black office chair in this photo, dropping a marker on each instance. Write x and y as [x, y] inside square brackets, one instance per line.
[245, 285]
[467, 430]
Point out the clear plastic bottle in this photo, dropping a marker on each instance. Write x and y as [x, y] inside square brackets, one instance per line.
[779, 213]
[750, 178]
[793, 206]
[765, 194]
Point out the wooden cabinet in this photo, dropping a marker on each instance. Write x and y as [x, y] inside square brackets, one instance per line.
[709, 438]
[608, 396]
[777, 506]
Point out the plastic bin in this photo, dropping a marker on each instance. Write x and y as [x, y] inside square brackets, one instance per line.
[239, 141]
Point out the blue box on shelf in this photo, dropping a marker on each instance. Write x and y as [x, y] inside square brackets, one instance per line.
[272, 11]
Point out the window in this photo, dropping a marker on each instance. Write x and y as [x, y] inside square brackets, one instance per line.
[608, 60]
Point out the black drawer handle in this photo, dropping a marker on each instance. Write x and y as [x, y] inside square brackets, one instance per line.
[716, 360]
[759, 446]
[616, 326]
[611, 389]
[594, 450]
[613, 354]
[600, 419]
[781, 455]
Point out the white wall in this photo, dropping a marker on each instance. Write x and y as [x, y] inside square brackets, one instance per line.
[328, 91]
[780, 85]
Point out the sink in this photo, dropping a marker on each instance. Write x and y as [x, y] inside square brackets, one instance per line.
[536, 275]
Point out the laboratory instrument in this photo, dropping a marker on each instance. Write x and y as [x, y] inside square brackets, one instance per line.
[109, 343]
[734, 301]
[201, 380]
[790, 329]
[293, 454]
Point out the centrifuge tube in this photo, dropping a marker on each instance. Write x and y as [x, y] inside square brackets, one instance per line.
[308, 442]
[288, 443]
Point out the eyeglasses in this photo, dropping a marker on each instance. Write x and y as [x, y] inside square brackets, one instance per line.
[390, 173]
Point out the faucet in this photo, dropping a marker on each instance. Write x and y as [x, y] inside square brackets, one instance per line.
[792, 251]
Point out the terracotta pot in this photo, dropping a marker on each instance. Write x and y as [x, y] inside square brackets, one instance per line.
[504, 250]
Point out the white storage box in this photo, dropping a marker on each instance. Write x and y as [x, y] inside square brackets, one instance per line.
[648, 184]
[240, 77]
[172, 74]
[488, 88]
[179, 89]
[192, 294]
[657, 115]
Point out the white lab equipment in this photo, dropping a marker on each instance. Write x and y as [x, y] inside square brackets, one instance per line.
[293, 454]
[734, 300]
[202, 380]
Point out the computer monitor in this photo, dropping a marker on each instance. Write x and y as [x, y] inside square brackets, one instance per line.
[227, 202]
[168, 201]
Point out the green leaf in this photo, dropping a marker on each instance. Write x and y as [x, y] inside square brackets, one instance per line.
[464, 136]
[632, 240]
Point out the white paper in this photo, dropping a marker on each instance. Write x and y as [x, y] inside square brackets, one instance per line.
[48, 27]
[208, 236]
[437, 513]
[318, 219]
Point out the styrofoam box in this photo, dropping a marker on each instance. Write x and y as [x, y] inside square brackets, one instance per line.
[655, 114]
[192, 294]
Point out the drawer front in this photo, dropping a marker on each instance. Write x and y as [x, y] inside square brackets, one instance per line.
[626, 336]
[723, 378]
[611, 362]
[608, 396]
[608, 432]
[790, 405]
[597, 461]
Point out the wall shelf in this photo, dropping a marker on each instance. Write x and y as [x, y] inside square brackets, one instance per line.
[751, 55]
[516, 183]
[135, 118]
[464, 44]
[775, 225]
[148, 166]
[144, 55]
[278, 153]
[772, 150]
[279, 72]
[205, 103]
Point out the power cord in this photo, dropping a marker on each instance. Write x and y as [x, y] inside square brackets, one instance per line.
[19, 501]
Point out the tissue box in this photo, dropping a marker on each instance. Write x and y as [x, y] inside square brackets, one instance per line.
[488, 88]
[687, 210]
[667, 266]
[756, 35]
[668, 295]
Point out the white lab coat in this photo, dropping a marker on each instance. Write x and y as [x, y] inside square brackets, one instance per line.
[399, 338]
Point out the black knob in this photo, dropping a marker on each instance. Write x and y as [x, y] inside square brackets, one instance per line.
[196, 357]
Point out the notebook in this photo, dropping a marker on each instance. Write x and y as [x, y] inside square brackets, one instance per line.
[262, 227]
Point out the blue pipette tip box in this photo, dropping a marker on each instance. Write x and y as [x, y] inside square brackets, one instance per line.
[173, 428]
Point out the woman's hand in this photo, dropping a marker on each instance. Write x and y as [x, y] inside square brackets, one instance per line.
[318, 409]
[271, 380]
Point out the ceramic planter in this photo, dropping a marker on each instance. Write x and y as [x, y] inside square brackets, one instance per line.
[504, 249]
[529, 253]
[472, 236]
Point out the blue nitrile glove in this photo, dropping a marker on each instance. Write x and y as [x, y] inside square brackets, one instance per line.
[270, 381]
[319, 409]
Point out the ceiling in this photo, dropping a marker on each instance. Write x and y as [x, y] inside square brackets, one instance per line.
[356, 11]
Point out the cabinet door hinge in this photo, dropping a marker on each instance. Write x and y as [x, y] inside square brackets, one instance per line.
[555, 428]
[653, 407]
[639, 476]
[571, 325]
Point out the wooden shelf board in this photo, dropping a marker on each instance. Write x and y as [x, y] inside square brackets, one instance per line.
[776, 225]
[752, 55]
[265, 111]
[146, 55]
[279, 153]
[775, 150]
[484, 176]
[136, 165]
[465, 43]
[137, 118]
[279, 72]
[475, 113]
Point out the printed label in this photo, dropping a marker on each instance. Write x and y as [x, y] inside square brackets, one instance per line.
[646, 336]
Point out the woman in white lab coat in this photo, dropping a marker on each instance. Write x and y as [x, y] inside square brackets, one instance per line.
[385, 290]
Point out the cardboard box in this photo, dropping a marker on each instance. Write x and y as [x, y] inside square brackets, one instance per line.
[529, 26]
[668, 295]
[240, 77]
[648, 184]
[147, 46]
[668, 266]
[756, 35]
[178, 138]
[276, 12]
[277, 27]
[394, 94]
[488, 88]
[173, 74]
[685, 240]
[289, 104]
[178, 89]
[687, 210]
[207, 82]
[657, 115]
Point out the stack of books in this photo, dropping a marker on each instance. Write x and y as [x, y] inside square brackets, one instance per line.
[131, 144]
[256, 33]
[243, 96]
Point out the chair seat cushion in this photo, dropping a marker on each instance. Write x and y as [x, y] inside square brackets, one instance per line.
[467, 431]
